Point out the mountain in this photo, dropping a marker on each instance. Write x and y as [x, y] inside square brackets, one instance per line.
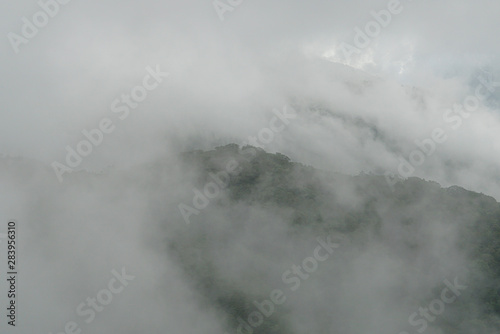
[253, 214]
[258, 243]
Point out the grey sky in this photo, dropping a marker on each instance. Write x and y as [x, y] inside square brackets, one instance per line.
[224, 74]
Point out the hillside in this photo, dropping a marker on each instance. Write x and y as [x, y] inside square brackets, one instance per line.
[418, 235]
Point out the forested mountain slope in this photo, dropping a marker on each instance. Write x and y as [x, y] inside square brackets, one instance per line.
[399, 247]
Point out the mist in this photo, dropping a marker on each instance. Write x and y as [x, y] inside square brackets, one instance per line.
[134, 86]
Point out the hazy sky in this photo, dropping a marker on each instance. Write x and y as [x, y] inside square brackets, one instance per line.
[226, 76]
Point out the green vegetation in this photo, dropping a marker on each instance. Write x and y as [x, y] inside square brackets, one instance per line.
[357, 206]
